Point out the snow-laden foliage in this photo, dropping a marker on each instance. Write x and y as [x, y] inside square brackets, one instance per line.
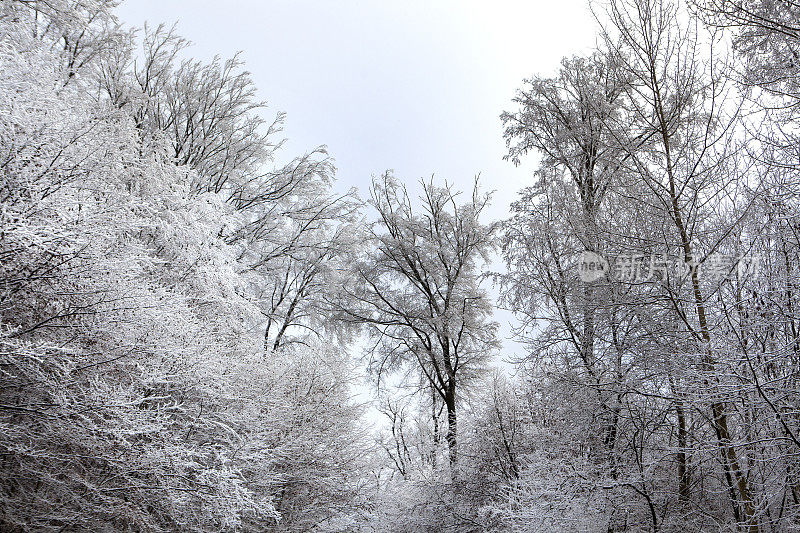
[135, 393]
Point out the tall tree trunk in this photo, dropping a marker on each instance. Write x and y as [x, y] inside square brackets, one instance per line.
[684, 478]
[450, 404]
[435, 422]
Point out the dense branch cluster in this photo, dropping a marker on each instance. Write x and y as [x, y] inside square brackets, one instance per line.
[674, 163]
[143, 231]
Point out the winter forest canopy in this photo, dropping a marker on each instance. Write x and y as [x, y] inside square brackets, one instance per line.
[189, 315]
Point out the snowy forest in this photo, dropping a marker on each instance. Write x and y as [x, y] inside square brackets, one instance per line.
[190, 315]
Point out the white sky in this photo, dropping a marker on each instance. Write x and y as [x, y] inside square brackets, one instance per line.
[414, 86]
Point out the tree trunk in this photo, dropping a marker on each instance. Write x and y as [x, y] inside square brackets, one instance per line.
[683, 471]
[435, 422]
[450, 403]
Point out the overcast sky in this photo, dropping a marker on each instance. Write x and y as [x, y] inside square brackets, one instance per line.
[414, 86]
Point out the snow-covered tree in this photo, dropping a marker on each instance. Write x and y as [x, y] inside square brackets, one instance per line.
[418, 290]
